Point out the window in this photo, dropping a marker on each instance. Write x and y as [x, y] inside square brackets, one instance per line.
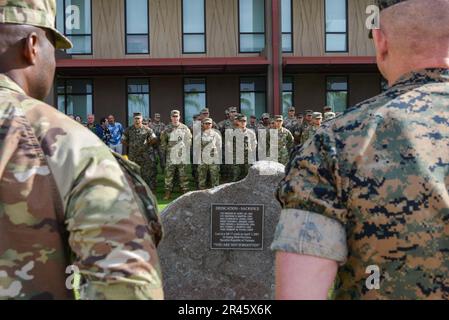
[287, 39]
[194, 98]
[75, 97]
[336, 26]
[251, 25]
[287, 95]
[193, 26]
[138, 91]
[74, 20]
[137, 39]
[253, 96]
[337, 93]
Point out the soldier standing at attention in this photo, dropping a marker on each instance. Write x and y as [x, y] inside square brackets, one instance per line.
[211, 141]
[266, 121]
[253, 125]
[240, 171]
[291, 121]
[221, 123]
[317, 118]
[65, 202]
[285, 140]
[300, 130]
[158, 126]
[140, 141]
[369, 199]
[178, 135]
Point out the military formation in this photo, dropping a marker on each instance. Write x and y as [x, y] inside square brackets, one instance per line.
[152, 144]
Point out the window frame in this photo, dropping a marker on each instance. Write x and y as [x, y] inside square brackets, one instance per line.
[291, 29]
[193, 33]
[65, 94]
[347, 89]
[79, 35]
[184, 113]
[264, 77]
[127, 79]
[346, 33]
[137, 34]
[253, 33]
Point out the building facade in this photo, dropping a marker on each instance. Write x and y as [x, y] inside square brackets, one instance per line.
[262, 56]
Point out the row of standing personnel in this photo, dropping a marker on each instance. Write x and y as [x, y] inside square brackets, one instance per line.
[151, 144]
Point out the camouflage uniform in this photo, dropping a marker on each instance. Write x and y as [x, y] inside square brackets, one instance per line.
[240, 171]
[285, 143]
[158, 127]
[290, 123]
[63, 194]
[210, 139]
[372, 189]
[140, 145]
[167, 146]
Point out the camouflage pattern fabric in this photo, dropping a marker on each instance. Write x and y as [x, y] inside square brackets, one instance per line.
[185, 137]
[140, 143]
[158, 127]
[375, 180]
[285, 143]
[38, 13]
[65, 200]
[240, 171]
[290, 123]
[212, 140]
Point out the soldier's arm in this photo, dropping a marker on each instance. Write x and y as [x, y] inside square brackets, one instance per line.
[310, 224]
[107, 231]
[125, 137]
[290, 140]
[152, 138]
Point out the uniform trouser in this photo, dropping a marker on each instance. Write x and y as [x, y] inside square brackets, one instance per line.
[239, 171]
[214, 172]
[161, 159]
[170, 171]
[148, 171]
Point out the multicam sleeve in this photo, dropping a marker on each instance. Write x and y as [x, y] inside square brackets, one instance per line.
[313, 216]
[108, 233]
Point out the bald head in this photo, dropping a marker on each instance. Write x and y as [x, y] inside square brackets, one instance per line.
[27, 56]
[413, 35]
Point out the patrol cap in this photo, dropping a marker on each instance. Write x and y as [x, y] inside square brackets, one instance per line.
[137, 114]
[278, 118]
[292, 109]
[309, 112]
[207, 120]
[329, 115]
[205, 110]
[240, 117]
[266, 116]
[317, 115]
[175, 113]
[327, 109]
[38, 13]
[300, 115]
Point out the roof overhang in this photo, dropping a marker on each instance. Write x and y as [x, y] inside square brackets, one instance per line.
[83, 67]
[328, 64]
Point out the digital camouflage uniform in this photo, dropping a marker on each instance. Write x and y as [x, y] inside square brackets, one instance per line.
[141, 151]
[290, 123]
[210, 139]
[65, 200]
[158, 127]
[285, 143]
[371, 189]
[185, 137]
